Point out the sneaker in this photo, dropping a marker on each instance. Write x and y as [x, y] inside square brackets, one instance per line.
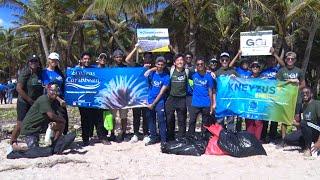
[307, 153]
[151, 142]
[281, 145]
[146, 139]
[134, 139]
[105, 142]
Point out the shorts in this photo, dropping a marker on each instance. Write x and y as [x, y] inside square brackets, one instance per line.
[32, 141]
[22, 109]
[123, 113]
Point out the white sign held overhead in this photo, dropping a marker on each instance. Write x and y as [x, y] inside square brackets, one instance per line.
[256, 43]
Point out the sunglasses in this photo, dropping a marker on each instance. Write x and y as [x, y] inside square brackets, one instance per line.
[255, 66]
[292, 59]
[200, 64]
[188, 57]
[33, 61]
[225, 60]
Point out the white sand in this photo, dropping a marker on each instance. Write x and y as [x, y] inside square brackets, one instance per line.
[136, 161]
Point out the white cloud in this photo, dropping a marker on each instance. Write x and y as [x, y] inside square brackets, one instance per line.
[1, 22]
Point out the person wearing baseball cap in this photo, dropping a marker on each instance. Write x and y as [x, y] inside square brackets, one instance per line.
[213, 65]
[41, 113]
[53, 74]
[226, 70]
[29, 88]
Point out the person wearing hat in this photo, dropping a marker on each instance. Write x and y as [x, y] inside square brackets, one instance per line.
[29, 88]
[40, 115]
[158, 84]
[102, 60]
[226, 70]
[255, 126]
[213, 65]
[53, 74]
[291, 74]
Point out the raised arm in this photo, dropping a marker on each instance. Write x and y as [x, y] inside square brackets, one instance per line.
[279, 60]
[147, 73]
[129, 58]
[235, 58]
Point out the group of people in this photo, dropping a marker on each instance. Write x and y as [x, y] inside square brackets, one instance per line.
[6, 92]
[187, 87]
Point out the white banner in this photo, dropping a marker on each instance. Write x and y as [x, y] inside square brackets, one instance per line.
[256, 43]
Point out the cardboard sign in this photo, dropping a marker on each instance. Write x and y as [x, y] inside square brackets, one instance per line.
[256, 43]
[153, 40]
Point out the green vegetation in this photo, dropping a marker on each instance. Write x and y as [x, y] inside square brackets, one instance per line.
[8, 114]
[205, 27]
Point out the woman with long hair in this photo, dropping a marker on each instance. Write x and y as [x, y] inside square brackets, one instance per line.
[29, 88]
[52, 74]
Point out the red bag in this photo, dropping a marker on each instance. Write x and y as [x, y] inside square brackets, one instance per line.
[213, 147]
[215, 129]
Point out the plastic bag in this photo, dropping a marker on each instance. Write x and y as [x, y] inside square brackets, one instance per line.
[241, 144]
[213, 147]
[215, 129]
[63, 142]
[31, 153]
[108, 120]
[192, 145]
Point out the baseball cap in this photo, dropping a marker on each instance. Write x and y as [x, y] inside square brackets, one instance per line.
[255, 63]
[290, 53]
[102, 55]
[117, 52]
[33, 57]
[54, 55]
[213, 60]
[225, 54]
[160, 59]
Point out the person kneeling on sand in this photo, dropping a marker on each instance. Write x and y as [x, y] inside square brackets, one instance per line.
[41, 113]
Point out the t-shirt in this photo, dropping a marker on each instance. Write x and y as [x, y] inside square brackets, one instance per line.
[49, 76]
[243, 73]
[311, 112]
[32, 84]
[178, 84]
[294, 73]
[226, 71]
[201, 86]
[157, 81]
[270, 73]
[36, 120]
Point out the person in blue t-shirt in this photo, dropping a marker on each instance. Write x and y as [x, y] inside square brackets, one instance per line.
[273, 65]
[53, 75]
[158, 85]
[243, 70]
[202, 99]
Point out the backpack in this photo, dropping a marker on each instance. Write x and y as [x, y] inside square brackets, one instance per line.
[189, 83]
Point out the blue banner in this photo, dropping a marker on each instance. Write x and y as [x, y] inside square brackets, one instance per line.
[255, 98]
[106, 88]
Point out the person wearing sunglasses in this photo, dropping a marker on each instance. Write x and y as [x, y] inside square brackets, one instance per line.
[291, 74]
[29, 88]
[226, 70]
[255, 126]
[203, 99]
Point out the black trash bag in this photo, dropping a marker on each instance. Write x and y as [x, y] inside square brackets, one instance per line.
[240, 144]
[31, 153]
[191, 145]
[63, 142]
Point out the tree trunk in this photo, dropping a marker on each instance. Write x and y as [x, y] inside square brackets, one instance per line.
[44, 42]
[192, 39]
[69, 47]
[81, 39]
[312, 32]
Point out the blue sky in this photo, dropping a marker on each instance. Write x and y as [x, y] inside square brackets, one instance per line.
[6, 15]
